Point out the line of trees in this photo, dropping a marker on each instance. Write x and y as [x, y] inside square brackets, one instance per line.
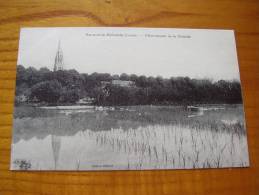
[68, 86]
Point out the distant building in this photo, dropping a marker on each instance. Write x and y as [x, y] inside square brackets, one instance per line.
[105, 83]
[85, 101]
[21, 98]
[59, 61]
[122, 83]
[35, 100]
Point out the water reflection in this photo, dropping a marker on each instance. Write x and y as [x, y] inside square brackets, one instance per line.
[55, 144]
[135, 138]
[143, 148]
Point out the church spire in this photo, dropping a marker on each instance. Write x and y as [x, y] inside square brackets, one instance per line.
[59, 63]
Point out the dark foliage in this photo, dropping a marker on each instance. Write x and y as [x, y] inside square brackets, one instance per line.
[69, 86]
[46, 91]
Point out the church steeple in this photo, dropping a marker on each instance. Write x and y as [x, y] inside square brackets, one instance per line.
[59, 63]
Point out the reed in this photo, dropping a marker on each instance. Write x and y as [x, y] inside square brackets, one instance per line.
[176, 146]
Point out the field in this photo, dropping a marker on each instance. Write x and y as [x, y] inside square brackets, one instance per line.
[136, 137]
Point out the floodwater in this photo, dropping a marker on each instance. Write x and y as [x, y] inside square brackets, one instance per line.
[136, 137]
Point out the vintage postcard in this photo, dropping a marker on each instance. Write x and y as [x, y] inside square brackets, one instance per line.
[127, 99]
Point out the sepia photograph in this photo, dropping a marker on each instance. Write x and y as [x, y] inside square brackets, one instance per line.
[106, 98]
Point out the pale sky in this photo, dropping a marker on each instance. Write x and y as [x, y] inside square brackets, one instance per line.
[203, 54]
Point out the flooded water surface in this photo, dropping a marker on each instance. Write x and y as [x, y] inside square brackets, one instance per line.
[136, 137]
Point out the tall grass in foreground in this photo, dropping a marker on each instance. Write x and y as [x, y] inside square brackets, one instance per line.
[175, 146]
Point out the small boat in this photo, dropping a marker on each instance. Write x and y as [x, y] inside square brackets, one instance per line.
[195, 111]
[194, 108]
